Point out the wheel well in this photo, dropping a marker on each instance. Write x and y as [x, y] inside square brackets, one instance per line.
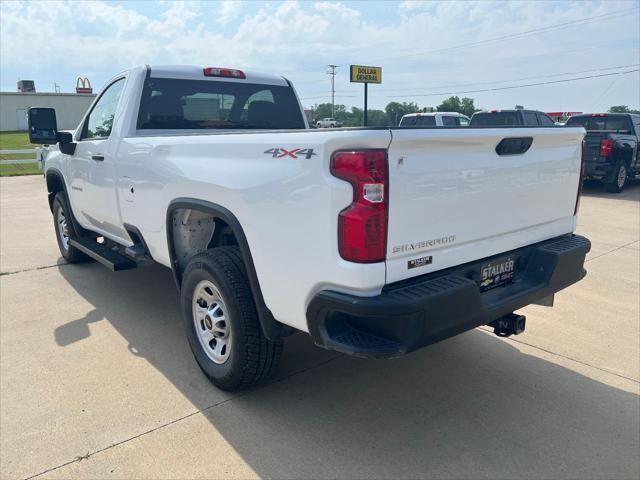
[54, 185]
[195, 225]
[194, 231]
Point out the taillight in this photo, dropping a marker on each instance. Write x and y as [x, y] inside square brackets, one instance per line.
[581, 179]
[362, 226]
[606, 147]
[223, 72]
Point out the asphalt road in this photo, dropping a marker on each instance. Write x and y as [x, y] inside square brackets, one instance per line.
[97, 381]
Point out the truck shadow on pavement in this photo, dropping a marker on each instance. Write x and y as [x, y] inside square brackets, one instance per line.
[474, 406]
[631, 191]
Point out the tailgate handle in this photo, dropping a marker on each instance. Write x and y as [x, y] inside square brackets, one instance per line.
[97, 158]
[514, 146]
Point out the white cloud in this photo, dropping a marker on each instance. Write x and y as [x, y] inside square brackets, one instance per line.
[299, 39]
[228, 11]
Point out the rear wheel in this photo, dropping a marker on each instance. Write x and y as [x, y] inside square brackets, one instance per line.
[619, 178]
[64, 230]
[221, 321]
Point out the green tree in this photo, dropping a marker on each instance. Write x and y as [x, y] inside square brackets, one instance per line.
[377, 118]
[622, 109]
[323, 110]
[395, 111]
[454, 104]
[468, 107]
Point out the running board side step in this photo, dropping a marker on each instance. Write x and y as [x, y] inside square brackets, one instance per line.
[103, 254]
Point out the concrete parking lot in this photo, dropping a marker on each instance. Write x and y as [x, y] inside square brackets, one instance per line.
[97, 380]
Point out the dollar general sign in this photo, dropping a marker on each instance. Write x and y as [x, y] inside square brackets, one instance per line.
[362, 74]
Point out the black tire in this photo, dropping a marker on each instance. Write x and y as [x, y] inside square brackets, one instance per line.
[69, 253]
[252, 358]
[618, 179]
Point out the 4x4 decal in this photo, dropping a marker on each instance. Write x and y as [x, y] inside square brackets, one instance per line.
[294, 153]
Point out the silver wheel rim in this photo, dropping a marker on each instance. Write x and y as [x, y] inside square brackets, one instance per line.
[622, 176]
[63, 229]
[211, 322]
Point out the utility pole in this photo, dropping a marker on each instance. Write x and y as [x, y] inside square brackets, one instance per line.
[56, 87]
[331, 70]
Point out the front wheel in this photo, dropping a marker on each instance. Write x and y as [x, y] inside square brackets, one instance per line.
[619, 179]
[221, 321]
[64, 230]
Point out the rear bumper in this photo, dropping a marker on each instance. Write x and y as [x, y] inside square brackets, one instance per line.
[424, 310]
[598, 170]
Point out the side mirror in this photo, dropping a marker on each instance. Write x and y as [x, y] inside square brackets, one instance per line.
[43, 128]
[65, 141]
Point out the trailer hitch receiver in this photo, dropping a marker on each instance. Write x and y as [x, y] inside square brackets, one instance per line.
[512, 324]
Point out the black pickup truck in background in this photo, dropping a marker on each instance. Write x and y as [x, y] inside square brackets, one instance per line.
[612, 144]
[511, 118]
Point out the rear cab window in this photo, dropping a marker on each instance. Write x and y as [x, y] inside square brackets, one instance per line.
[407, 121]
[449, 121]
[180, 104]
[601, 122]
[495, 119]
[418, 121]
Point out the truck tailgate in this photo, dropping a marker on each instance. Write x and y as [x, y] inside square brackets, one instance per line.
[453, 199]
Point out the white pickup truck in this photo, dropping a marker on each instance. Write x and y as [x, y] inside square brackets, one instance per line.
[328, 123]
[374, 241]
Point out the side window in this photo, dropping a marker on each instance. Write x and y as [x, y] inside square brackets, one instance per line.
[464, 121]
[449, 121]
[530, 119]
[636, 124]
[545, 121]
[100, 120]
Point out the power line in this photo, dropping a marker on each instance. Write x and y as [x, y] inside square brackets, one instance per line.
[548, 28]
[518, 79]
[485, 83]
[514, 86]
[511, 36]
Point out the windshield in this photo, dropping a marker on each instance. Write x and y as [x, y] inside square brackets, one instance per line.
[169, 103]
[606, 122]
[495, 119]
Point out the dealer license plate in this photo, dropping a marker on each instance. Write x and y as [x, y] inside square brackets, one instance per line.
[497, 273]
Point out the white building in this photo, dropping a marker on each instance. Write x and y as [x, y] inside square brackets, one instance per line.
[70, 108]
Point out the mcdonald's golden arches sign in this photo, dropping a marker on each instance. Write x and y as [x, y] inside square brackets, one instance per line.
[83, 85]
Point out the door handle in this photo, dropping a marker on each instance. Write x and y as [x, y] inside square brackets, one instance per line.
[97, 158]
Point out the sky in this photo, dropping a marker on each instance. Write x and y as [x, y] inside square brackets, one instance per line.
[427, 50]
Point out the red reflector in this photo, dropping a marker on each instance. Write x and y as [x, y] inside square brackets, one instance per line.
[362, 226]
[598, 114]
[581, 179]
[223, 72]
[606, 147]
